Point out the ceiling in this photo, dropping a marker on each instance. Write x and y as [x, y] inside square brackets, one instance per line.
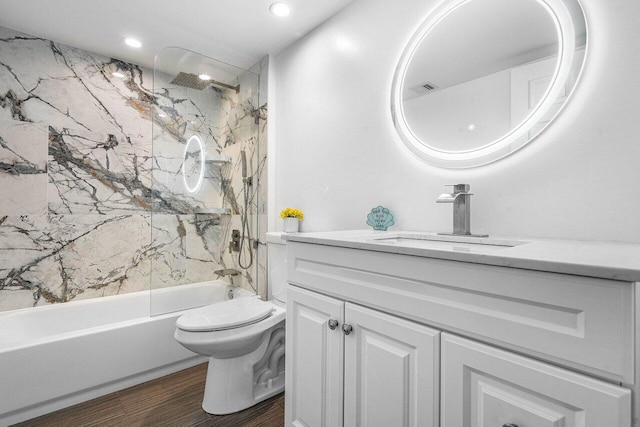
[239, 32]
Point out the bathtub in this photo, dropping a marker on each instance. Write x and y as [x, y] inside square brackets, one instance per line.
[56, 356]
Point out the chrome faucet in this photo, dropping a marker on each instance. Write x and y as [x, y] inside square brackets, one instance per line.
[461, 199]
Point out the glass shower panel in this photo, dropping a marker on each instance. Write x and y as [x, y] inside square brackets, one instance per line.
[205, 158]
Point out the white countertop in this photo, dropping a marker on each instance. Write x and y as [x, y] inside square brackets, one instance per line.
[608, 260]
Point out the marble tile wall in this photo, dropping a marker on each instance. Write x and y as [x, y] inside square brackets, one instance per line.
[85, 210]
[259, 159]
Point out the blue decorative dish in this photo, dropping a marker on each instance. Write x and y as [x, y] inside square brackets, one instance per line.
[380, 218]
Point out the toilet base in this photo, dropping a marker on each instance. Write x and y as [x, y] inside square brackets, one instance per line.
[238, 383]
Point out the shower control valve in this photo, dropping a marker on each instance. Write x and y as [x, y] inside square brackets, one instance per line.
[234, 245]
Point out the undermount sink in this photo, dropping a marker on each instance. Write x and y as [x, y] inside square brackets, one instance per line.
[446, 242]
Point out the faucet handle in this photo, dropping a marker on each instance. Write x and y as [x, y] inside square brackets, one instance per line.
[459, 188]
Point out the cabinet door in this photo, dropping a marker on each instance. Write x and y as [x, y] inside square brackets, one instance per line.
[486, 387]
[391, 371]
[314, 360]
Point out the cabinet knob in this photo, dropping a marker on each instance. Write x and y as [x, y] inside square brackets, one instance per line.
[347, 329]
[509, 425]
[333, 323]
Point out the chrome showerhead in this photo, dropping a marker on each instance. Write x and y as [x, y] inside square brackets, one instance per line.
[193, 81]
[189, 80]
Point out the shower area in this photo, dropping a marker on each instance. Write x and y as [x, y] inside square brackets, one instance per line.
[208, 170]
[151, 202]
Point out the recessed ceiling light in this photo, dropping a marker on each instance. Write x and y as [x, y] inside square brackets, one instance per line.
[204, 77]
[280, 9]
[118, 75]
[133, 42]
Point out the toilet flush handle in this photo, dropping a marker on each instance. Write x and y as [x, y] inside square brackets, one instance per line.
[333, 324]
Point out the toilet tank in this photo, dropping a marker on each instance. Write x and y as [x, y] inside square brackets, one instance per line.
[277, 267]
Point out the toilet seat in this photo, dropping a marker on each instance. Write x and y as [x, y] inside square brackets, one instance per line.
[229, 314]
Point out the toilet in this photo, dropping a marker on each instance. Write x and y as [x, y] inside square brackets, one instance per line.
[244, 340]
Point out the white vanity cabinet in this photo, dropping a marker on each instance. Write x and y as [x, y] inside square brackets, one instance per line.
[487, 387]
[501, 346]
[383, 370]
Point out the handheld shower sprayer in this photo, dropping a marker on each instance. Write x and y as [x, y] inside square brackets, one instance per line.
[246, 182]
[243, 158]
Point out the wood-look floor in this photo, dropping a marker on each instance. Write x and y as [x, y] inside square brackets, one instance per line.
[174, 400]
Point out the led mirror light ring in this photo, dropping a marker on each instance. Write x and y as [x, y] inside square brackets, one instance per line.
[195, 188]
[561, 72]
[514, 139]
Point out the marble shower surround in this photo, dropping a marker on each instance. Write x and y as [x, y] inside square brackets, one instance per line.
[77, 186]
[23, 167]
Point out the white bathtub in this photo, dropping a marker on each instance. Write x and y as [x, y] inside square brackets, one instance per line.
[55, 356]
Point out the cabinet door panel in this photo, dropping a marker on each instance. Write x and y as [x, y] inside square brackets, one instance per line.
[391, 371]
[486, 387]
[314, 360]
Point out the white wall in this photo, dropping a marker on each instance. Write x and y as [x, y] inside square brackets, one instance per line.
[338, 155]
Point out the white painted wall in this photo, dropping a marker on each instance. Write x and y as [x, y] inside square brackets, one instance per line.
[338, 155]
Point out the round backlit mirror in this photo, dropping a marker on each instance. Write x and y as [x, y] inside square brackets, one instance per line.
[481, 78]
[193, 164]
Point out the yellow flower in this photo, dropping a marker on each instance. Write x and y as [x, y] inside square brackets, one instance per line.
[291, 213]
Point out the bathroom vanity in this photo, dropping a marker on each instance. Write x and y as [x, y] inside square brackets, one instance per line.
[415, 329]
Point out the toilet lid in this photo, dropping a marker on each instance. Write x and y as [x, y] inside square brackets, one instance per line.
[225, 315]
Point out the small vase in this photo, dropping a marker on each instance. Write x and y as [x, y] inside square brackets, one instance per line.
[290, 225]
